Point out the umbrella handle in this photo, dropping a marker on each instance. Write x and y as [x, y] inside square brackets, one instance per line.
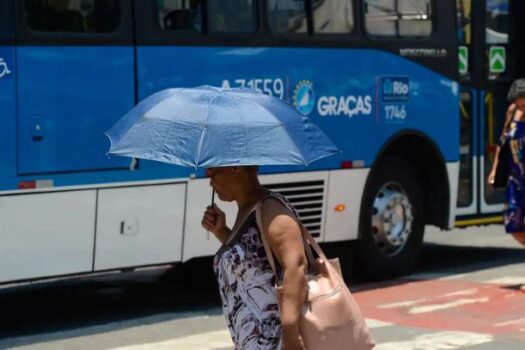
[212, 202]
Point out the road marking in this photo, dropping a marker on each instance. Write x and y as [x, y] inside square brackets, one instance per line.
[371, 323]
[503, 324]
[453, 277]
[438, 341]
[202, 341]
[211, 340]
[507, 281]
[435, 307]
[401, 304]
[463, 292]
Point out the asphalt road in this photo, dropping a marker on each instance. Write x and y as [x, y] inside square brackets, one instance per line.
[464, 294]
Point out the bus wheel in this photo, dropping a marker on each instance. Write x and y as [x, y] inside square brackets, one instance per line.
[392, 221]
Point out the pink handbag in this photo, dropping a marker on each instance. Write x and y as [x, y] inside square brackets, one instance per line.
[331, 319]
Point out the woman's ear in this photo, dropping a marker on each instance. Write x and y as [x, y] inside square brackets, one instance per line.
[235, 170]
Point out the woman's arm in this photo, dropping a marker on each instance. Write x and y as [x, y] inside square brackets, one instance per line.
[508, 119]
[492, 174]
[286, 242]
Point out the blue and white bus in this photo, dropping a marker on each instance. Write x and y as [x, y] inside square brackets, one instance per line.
[379, 77]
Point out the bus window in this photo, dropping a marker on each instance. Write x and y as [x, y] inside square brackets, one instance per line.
[184, 15]
[86, 16]
[287, 16]
[464, 20]
[332, 16]
[381, 17]
[6, 27]
[399, 18]
[496, 37]
[464, 16]
[234, 16]
[224, 16]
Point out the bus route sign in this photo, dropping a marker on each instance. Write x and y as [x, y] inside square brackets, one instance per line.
[497, 59]
[463, 60]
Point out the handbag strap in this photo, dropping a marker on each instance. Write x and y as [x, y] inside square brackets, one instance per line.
[308, 241]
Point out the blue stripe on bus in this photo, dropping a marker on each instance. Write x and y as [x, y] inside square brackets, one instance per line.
[359, 97]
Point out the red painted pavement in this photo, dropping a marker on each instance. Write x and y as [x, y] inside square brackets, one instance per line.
[502, 305]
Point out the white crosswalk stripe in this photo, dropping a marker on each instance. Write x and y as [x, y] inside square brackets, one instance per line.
[203, 341]
[372, 324]
[212, 340]
[443, 306]
[438, 341]
[507, 281]
[221, 340]
[511, 322]
[401, 304]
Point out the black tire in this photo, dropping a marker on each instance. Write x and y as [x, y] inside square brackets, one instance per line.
[375, 259]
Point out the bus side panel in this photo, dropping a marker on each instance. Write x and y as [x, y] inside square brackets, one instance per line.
[68, 96]
[345, 192]
[46, 234]
[139, 226]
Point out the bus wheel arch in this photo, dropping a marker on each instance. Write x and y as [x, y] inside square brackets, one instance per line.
[407, 188]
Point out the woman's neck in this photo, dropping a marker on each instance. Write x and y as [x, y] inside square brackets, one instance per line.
[250, 197]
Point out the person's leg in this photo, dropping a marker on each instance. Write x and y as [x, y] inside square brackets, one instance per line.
[514, 210]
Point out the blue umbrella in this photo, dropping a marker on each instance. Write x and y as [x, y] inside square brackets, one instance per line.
[212, 127]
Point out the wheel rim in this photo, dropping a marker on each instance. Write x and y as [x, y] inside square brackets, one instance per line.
[392, 218]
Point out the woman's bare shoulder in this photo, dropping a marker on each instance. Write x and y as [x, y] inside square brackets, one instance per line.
[271, 204]
[274, 208]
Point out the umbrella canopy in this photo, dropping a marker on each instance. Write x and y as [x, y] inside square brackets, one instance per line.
[211, 127]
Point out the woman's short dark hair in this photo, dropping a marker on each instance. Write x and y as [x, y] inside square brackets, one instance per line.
[517, 90]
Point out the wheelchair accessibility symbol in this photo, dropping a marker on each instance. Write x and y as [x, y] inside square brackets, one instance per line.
[4, 69]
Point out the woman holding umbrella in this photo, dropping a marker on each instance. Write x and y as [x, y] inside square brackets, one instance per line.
[232, 132]
[246, 280]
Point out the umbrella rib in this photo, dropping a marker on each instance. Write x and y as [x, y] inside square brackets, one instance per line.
[201, 139]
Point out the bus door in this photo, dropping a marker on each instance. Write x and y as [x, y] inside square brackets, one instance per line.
[7, 89]
[495, 78]
[485, 76]
[468, 198]
[75, 79]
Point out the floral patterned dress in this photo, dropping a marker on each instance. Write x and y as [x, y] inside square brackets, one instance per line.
[515, 191]
[246, 286]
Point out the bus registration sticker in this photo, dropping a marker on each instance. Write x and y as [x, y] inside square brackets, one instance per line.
[395, 91]
[395, 88]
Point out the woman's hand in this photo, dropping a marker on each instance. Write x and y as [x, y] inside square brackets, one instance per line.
[214, 220]
[491, 177]
[292, 340]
